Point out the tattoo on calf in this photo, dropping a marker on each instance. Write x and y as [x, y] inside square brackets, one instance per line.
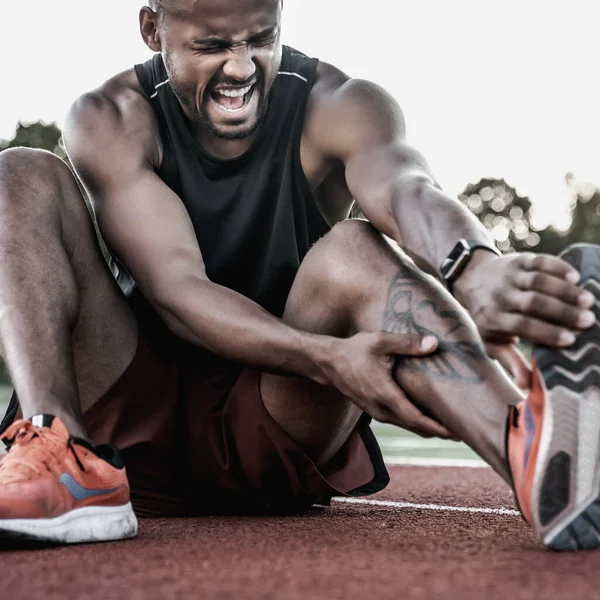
[404, 313]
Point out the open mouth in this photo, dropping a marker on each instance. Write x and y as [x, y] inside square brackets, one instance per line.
[232, 100]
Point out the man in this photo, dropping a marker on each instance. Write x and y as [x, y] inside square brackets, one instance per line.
[262, 329]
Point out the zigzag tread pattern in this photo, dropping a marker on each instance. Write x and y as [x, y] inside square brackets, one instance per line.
[576, 374]
[570, 359]
[578, 369]
[574, 368]
[557, 381]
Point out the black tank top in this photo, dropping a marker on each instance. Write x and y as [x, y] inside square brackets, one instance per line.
[254, 216]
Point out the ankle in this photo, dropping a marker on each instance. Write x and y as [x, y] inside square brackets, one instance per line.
[70, 421]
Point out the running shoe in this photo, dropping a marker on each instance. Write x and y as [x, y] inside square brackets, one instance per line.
[553, 439]
[55, 488]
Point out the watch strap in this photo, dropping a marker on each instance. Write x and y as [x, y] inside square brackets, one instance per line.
[459, 257]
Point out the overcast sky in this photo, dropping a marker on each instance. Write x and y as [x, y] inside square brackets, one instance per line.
[489, 89]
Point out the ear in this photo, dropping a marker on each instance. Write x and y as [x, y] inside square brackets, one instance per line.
[149, 21]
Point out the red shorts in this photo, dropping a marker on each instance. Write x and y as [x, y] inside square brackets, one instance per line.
[197, 439]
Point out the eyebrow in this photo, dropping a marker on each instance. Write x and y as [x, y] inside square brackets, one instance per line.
[221, 41]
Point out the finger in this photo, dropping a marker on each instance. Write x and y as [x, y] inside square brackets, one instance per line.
[551, 265]
[534, 330]
[408, 416]
[555, 287]
[513, 360]
[405, 344]
[548, 308]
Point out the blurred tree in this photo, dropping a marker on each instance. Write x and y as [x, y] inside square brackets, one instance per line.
[37, 135]
[504, 212]
[508, 217]
[585, 212]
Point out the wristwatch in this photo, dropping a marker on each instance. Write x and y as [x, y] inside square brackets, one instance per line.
[459, 258]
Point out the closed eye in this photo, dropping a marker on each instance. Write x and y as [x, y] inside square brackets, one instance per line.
[213, 49]
[263, 40]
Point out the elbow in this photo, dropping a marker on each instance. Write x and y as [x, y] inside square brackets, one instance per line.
[413, 186]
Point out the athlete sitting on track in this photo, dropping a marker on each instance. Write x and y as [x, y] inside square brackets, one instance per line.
[249, 331]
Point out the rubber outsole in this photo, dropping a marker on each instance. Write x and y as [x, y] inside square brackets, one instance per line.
[568, 508]
[79, 526]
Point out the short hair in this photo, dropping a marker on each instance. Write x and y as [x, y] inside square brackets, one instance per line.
[159, 5]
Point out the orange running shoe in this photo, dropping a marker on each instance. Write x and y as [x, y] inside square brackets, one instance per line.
[54, 488]
[553, 440]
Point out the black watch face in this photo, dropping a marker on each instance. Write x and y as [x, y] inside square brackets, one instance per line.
[461, 247]
[459, 257]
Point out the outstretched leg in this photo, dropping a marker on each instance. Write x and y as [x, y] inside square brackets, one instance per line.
[353, 280]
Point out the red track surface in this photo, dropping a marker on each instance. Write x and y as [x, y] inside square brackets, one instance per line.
[346, 551]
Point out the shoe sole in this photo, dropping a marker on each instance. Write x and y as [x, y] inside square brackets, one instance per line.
[87, 524]
[566, 487]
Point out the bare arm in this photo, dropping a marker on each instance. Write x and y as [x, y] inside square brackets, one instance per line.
[363, 127]
[113, 149]
[358, 124]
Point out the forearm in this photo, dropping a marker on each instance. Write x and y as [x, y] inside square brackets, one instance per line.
[430, 222]
[234, 327]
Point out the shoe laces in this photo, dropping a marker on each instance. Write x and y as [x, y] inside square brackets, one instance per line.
[33, 450]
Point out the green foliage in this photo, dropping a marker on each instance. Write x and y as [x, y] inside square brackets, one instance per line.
[37, 135]
[508, 216]
[585, 213]
[504, 212]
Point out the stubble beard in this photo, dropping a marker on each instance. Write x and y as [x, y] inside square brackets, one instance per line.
[199, 115]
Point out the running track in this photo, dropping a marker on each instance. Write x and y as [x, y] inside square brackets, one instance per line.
[375, 551]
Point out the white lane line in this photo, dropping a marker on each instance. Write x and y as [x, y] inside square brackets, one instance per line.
[417, 444]
[438, 507]
[419, 461]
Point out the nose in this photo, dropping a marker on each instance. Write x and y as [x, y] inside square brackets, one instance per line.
[240, 65]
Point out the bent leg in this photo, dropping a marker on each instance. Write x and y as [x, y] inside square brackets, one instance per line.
[353, 280]
[66, 332]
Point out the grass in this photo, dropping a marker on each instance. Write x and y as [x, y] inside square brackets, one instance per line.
[397, 443]
[5, 392]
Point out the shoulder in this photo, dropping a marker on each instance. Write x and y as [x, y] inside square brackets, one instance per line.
[341, 108]
[116, 116]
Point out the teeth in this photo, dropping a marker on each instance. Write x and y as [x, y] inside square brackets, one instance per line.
[234, 93]
[231, 110]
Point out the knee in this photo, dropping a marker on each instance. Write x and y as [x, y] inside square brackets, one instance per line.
[350, 246]
[354, 253]
[349, 237]
[27, 170]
